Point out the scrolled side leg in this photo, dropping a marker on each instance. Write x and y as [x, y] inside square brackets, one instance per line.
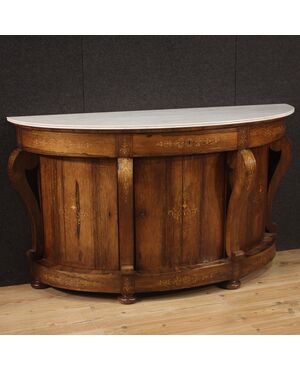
[242, 163]
[283, 146]
[243, 166]
[20, 161]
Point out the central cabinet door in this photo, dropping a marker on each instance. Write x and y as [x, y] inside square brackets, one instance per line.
[179, 211]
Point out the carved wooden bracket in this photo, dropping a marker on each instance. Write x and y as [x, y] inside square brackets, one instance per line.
[285, 147]
[243, 166]
[20, 161]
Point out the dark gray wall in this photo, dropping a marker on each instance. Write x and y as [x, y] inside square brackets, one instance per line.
[47, 74]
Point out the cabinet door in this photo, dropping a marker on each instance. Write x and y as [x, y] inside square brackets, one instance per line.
[79, 204]
[179, 210]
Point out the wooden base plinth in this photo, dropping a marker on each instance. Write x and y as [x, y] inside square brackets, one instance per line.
[96, 281]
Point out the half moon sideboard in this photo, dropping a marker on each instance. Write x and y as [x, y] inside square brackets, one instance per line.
[141, 201]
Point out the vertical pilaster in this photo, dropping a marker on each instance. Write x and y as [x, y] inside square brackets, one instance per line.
[126, 220]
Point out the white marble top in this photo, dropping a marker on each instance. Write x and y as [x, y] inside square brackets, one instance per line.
[158, 119]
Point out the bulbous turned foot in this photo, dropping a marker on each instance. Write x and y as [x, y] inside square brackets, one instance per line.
[37, 284]
[231, 284]
[127, 299]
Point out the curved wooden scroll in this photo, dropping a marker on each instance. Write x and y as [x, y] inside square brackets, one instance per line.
[243, 165]
[285, 147]
[20, 161]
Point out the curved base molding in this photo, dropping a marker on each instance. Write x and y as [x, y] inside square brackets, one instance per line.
[193, 276]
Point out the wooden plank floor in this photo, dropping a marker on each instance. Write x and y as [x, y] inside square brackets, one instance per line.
[267, 303]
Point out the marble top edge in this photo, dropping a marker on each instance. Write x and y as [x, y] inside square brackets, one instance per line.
[157, 119]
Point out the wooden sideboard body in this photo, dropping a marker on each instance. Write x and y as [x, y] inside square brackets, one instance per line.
[149, 210]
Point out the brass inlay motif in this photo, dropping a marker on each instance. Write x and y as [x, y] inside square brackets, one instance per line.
[77, 196]
[271, 131]
[127, 287]
[188, 280]
[185, 210]
[243, 137]
[179, 281]
[187, 143]
[175, 213]
[68, 143]
[124, 149]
